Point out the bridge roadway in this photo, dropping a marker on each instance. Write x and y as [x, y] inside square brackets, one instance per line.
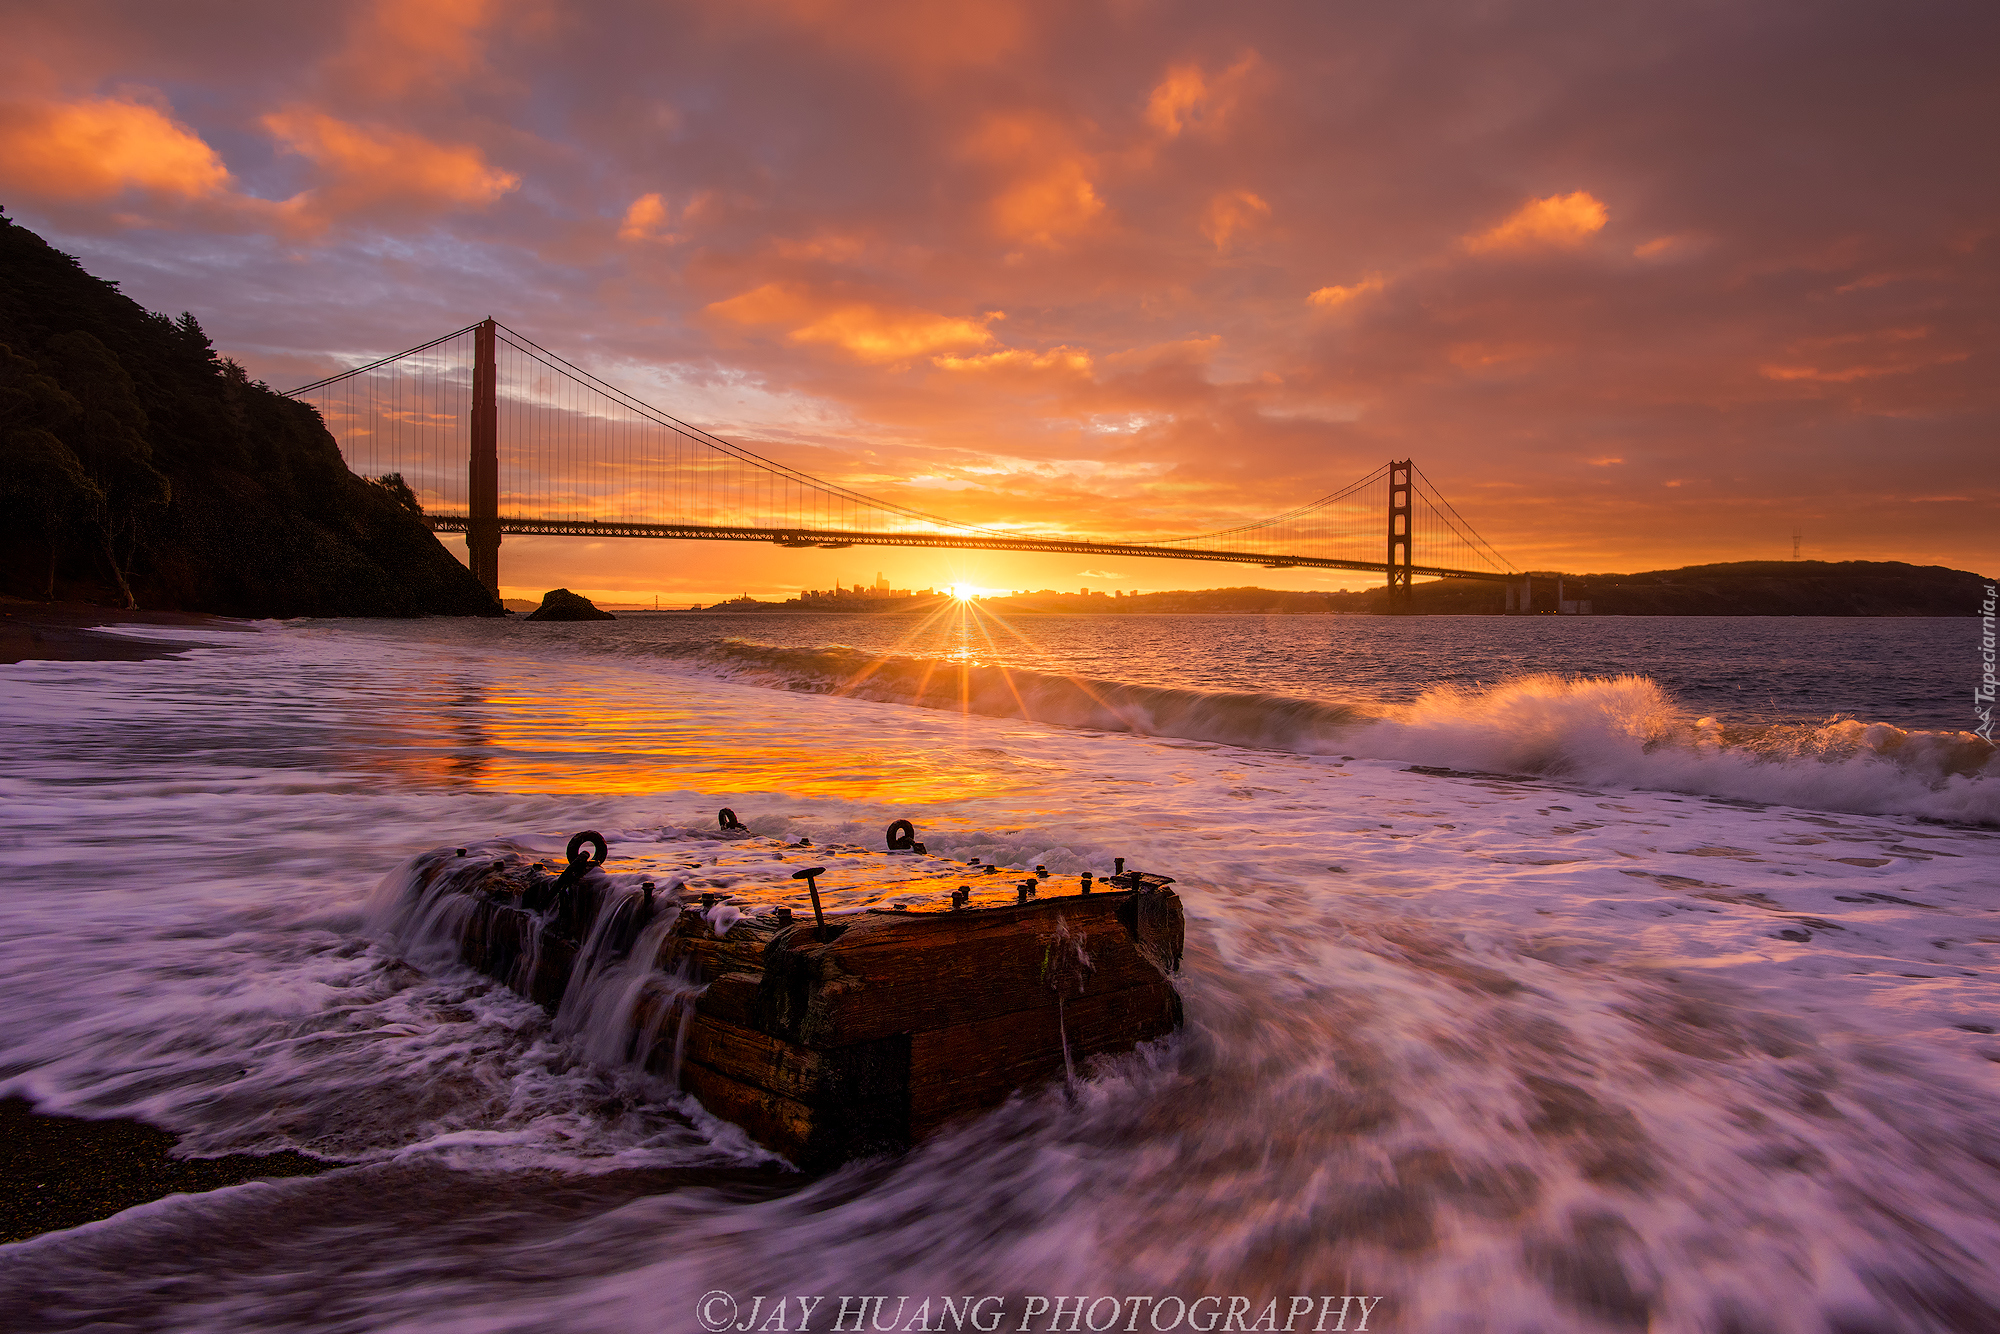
[800, 538]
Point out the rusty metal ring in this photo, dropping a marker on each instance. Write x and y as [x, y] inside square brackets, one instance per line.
[576, 843]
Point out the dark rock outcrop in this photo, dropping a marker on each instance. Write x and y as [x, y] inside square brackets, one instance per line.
[136, 465]
[562, 605]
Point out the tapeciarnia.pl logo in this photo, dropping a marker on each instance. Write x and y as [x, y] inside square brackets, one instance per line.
[1982, 694]
[718, 1311]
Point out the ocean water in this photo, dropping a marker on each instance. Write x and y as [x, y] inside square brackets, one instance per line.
[1542, 975]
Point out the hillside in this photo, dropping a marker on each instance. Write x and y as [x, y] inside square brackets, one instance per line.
[1744, 588]
[138, 467]
[1740, 588]
[1210, 600]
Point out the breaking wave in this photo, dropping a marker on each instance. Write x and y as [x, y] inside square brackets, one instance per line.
[1623, 730]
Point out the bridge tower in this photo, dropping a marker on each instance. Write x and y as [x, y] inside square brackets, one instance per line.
[1401, 599]
[482, 529]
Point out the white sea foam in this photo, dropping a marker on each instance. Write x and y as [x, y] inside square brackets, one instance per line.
[1625, 729]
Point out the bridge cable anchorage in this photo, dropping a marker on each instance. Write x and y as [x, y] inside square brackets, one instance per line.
[485, 432]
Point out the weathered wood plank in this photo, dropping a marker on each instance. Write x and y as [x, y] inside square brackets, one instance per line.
[902, 973]
[973, 1066]
[732, 999]
[783, 1125]
[866, 1070]
[813, 1135]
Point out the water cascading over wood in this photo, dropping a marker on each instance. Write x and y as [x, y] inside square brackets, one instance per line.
[914, 990]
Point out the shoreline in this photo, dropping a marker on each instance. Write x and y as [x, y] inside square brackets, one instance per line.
[62, 632]
[64, 1171]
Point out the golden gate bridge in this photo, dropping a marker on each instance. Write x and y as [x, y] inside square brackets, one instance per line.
[495, 434]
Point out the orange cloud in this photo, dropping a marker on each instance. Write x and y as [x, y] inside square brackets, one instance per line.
[1020, 364]
[102, 147]
[918, 36]
[1869, 354]
[1849, 374]
[397, 45]
[866, 331]
[646, 220]
[1049, 195]
[1331, 298]
[824, 248]
[365, 170]
[1189, 99]
[1231, 212]
[1559, 220]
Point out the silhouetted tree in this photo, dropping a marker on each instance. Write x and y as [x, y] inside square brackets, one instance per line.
[393, 483]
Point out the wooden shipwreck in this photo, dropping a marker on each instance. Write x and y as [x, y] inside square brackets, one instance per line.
[831, 1001]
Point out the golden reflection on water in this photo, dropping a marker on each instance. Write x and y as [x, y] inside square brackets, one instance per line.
[611, 728]
[625, 737]
[967, 628]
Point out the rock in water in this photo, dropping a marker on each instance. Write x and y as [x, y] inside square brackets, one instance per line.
[563, 605]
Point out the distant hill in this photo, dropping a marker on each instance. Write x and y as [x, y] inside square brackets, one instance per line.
[1213, 600]
[1744, 588]
[136, 465]
[1740, 588]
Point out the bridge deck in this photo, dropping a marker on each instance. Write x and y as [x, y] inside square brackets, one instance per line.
[835, 539]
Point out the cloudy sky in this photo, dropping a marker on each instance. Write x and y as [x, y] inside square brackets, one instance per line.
[1638, 285]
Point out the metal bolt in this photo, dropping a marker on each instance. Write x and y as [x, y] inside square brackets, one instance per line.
[1086, 882]
[812, 888]
[1041, 872]
[784, 917]
[960, 895]
[461, 852]
[899, 907]
[1119, 867]
[973, 862]
[1021, 892]
[708, 900]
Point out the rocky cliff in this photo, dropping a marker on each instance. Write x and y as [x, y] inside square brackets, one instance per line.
[136, 466]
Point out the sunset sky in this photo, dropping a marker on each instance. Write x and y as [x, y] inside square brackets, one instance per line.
[1638, 285]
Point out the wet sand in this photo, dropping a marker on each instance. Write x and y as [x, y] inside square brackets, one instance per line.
[62, 632]
[63, 1171]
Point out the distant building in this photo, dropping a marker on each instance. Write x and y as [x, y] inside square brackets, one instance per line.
[860, 593]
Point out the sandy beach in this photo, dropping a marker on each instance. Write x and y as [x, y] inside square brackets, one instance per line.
[63, 632]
